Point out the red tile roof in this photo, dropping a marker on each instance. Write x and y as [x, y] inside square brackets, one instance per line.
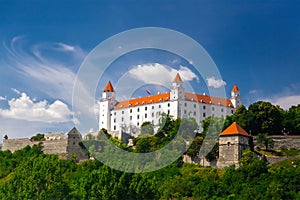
[108, 87]
[234, 129]
[235, 88]
[144, 100]
[177, 78]
[208, 99]
[166, 97]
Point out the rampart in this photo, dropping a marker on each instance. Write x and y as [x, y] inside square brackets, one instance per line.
[281, 141]
[58, 146]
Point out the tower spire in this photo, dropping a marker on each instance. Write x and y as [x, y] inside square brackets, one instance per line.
[177, 78]
[108, 87]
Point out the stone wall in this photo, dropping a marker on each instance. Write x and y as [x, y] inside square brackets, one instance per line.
[291, 141]
[58, 147]
[55, 143]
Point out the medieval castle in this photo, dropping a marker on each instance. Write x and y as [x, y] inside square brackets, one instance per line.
[127, 117]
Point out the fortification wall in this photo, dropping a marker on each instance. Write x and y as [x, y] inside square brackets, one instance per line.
[282, 142]
[50, 147]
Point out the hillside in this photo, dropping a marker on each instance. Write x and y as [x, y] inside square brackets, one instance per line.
[30, 174]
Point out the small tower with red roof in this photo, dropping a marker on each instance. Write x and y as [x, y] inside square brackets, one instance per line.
[177, 91]
[236, 96]
[106, 105]
[232, 142]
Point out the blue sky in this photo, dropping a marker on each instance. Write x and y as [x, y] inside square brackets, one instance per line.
[43, 43]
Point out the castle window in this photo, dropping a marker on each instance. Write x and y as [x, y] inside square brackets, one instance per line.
[73, 143]
[185, 104]
[159, 106]
[122, 119]
[130, 117]
[130, 110]
[114, 128]
[152, 122]
[231, 111]
[145, 115]
[204, 107]
[151, 101]
[201, 101]
[194, 113]
[137, 103]
[168, 104]
[138, 124]
[138, 116]
[152, 114]
[152, 107]
[129, 104]
[74, 137]
[138, 109]
[228, 143]
[122, 111]
[213, 108]
[194, 105]
[114, 120]
[168, 112]
[115, 113]
[146, 108]
[184, 111]
[204, 114]
[143, 102]
[160, 99]
[222, 110]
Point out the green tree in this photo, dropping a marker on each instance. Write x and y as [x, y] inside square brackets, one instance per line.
[291, 120]
[147, 128]
[265, 118]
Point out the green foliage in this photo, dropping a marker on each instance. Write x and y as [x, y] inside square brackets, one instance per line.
[37, 137]
[30, 174]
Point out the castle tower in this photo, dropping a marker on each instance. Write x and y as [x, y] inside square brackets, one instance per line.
[106, 104]
[232, 142]
[236, 99]
[74, 148]
[177, 90]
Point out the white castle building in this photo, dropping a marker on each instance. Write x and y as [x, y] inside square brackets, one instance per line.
[128, 116]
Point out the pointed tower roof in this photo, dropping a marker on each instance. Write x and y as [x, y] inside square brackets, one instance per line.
[234, 129]
[108, 87]
[235, 88]
[177, 78]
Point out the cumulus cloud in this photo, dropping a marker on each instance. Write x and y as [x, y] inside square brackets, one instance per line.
[215, 83]
[158, 73]
[24, 108]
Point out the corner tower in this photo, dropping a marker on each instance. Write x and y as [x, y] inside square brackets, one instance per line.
[177, 91]
[106, 104]
[236, 99]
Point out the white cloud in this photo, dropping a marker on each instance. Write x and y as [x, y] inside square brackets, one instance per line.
[2, 98]
[66, 47]
[215, 83]
[285, 102]
[24, 108]
[253, 91]
[158, 73]
[15, 91]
